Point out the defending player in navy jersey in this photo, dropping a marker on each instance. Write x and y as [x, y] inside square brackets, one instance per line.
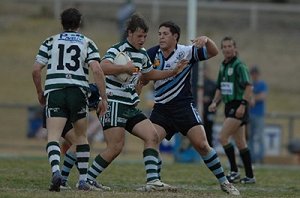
[174, 109]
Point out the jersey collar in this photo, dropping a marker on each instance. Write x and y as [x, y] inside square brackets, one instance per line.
[171, 54]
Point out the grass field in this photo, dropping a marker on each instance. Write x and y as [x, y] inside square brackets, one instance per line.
[30, 176]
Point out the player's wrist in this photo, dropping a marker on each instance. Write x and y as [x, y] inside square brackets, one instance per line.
[214, 101]
[103, 97]
[174, 71]
[244, 102]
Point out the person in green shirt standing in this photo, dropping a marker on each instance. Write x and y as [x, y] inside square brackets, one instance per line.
[234, 88]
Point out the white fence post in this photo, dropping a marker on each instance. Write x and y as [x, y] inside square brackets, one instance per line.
[253, 17]
[155, 11]
[57, 8]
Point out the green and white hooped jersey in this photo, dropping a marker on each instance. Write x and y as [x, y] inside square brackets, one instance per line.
[125, 92]
[66, 56]
[232, 80]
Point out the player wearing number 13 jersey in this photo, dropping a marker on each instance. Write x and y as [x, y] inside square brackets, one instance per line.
[67, 57]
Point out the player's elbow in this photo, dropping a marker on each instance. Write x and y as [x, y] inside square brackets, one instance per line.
[213, 52]
[36, 71]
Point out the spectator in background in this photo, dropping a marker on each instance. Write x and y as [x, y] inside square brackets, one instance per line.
[210, 87]
[124, 13]
[257, 114]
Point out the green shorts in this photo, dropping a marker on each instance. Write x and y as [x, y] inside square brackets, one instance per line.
[121, 115]
[70, 103]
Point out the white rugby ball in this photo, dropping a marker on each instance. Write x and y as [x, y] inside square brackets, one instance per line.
[122, 59]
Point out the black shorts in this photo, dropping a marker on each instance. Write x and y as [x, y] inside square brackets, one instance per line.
[180, 118]
[230, 109]
[66, 129]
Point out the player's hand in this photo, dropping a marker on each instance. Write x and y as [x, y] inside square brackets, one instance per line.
[138, 87]
[240, 111]
[131, 68]
[180, 66]
[200, 41]
[212, 107]
[142, 80]
[102, 107]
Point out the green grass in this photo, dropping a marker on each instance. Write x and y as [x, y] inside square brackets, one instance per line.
[30, 176]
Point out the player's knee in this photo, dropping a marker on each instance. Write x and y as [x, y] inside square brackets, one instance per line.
[116, 148]
[203, 148]
[223, 139]
[152, 139]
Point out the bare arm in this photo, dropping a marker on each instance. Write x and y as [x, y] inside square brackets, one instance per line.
[248, 93]
[110, 68]
[217, 98]
[100, 82]
[246, 100]
[159, 74]
[37, 80]
[211, 47]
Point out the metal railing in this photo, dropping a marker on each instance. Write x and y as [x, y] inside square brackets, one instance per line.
[252, 8]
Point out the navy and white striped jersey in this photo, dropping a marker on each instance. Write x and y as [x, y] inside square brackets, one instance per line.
[67, 56]
[176, 88]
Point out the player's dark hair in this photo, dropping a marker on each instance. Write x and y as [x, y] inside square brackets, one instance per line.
[136, 22]
[228, 38]
[174, 28]
[70, 19]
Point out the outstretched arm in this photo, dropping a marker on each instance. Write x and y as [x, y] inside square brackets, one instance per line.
[211, 47]
[162, 74]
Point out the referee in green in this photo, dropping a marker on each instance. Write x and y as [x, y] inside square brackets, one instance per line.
[234, 89]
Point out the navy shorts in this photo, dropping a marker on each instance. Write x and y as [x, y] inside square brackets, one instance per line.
[230, 109]
[176, 118]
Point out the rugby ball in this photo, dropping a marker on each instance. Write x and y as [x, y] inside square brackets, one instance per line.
[122, 59]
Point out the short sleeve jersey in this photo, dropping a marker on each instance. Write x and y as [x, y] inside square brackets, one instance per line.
[232, 80]
[66, 57]
[124, 92]
[177, 88]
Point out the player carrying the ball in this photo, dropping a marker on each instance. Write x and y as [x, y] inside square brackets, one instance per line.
[122, 114]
